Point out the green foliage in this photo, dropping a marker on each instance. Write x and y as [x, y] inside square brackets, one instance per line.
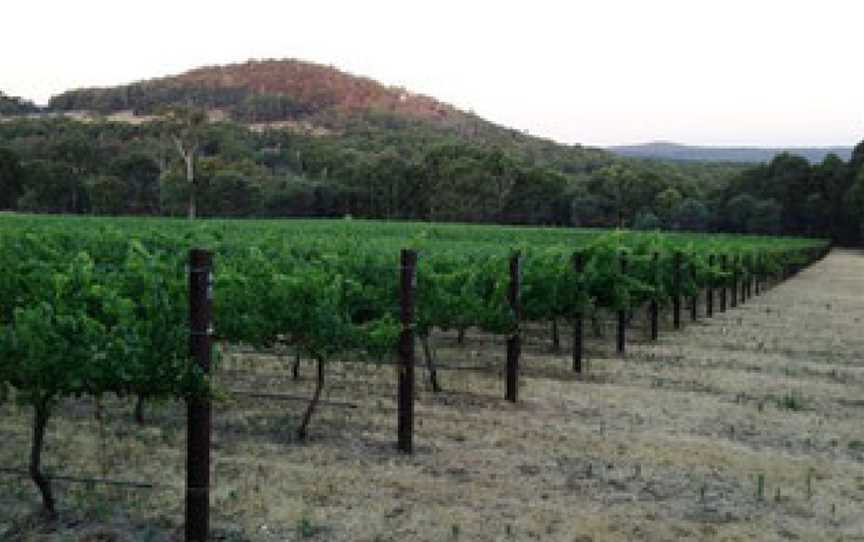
[10, 178]
[856, 445]
[791, 401]
[324, 143]
[691, 215]
[302, 139]
[92, 307]
[646, 221]
[791, 196]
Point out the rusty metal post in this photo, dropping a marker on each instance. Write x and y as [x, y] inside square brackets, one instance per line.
[514, 342]
[198, 421]
[405, 392]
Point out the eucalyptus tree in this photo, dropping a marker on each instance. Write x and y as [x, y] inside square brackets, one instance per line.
[184, 126]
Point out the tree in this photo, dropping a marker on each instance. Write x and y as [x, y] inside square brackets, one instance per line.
[766, 217]
[790, 183]
[833, 180]
[739, 210]
[588, 210]
[856, 162]
[646, 220]
[51, 187]
[184, 126]
[535, 197]
[10, 179]
[232, 193]
[665, 203]
[627, 188]
[502, 170]
[816, 213]
[691, 215]
[855, 205]
[140, 174]
[80, 157]
[107, 194]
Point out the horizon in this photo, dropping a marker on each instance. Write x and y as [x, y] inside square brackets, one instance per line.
[606, 75]
[732, 145]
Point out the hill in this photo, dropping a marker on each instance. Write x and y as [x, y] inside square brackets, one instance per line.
[259, 90]
[294, 138]
[674, 151]
[314, 99]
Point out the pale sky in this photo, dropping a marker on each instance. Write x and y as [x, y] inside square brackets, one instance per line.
[716, 72]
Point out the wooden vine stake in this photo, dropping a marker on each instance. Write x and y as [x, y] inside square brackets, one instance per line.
[622, 313]
[733, 295]
[577, 318]
[653, 308]
[408, 285]
[198, 426]
[760, 276]
[757, 276]
[709, 294]
[694, 300]
[676, 291]
[723, 267]
[750, 276]
[514, 342]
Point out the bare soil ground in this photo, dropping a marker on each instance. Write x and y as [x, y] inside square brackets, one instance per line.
[746, 426]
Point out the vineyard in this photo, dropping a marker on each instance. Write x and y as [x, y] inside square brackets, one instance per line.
[97, 312]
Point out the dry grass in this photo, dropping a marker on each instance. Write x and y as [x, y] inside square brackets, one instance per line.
[667, 443]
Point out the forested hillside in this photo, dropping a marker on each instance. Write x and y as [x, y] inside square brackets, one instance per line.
[288, 138]
[310, 98]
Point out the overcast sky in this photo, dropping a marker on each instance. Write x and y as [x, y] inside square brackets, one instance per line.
[748, 72]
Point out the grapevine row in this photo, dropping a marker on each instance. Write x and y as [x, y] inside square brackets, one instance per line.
[104, 310]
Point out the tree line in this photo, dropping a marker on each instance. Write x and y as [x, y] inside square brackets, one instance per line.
[390, 167]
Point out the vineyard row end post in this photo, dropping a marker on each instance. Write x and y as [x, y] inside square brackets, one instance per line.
[653, 307]
[733, 294]
[198, 421]
[514, 342]
[577, 317]
[622, 313]
[757, 275]
[405, 399]
[676, 291]
[709, 294]
[694, 301]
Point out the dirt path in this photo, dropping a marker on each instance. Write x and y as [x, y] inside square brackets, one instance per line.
[673, 442]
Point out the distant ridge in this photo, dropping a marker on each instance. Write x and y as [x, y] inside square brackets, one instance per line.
[673, 151]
